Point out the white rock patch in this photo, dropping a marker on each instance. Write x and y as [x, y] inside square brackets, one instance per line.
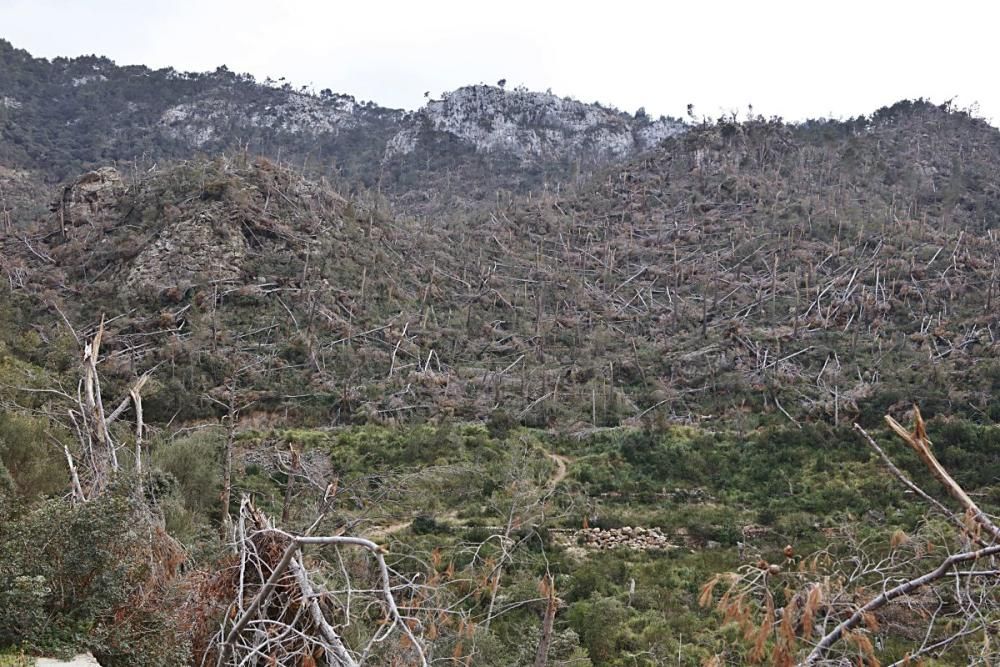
[82, 660]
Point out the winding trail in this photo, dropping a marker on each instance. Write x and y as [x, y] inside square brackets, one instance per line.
[378, 533]
[561, 468]
[381, 532]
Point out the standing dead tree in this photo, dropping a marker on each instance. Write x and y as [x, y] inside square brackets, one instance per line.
[936, 589]
[230, 419]
[279, 616]
[92, 425]
[547, 587]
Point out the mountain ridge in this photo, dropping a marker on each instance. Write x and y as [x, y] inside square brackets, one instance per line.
[65, 116]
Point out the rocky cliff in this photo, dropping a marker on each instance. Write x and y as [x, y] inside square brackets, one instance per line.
[533, 126]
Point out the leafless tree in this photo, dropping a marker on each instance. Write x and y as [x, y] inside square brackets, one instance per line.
[90, 422]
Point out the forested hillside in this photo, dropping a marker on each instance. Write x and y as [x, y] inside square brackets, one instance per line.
[820, 272]
[609, 393]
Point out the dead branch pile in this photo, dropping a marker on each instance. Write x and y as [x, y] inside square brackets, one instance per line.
[279, 615]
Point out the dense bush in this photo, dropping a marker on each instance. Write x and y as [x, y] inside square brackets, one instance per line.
[69, 576]
[194, 462]
[31, 456]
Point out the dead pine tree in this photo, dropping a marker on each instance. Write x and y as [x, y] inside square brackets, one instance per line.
[98, 448]
[231, 418]
[547, 588]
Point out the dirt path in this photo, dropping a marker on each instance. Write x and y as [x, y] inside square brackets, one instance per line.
[381, 532]
[561, 467]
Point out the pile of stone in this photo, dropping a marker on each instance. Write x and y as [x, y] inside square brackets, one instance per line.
[641, 539]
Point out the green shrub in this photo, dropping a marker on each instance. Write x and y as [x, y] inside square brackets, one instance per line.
[424, 524]
[68, 579]
[34, 464]
[195, 462]
[601, 626]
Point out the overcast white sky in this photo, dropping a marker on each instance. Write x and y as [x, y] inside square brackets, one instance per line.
[794, 59]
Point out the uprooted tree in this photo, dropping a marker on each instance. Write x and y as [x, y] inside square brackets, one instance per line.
[932, 592]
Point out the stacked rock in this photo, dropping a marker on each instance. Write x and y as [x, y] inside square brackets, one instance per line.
[642, 539]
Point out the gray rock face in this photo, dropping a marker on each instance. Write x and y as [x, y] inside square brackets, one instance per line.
[460, 149]
[520, 123]
[189, 252]
[199, 122]
[532, 125]
[94, 191]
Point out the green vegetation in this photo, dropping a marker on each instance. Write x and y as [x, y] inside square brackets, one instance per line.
[450, 487]
[64, 592]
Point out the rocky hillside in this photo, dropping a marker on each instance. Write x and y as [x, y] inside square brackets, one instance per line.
[530, 125]
[61, 117]
[825, 272]
[479, 140]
